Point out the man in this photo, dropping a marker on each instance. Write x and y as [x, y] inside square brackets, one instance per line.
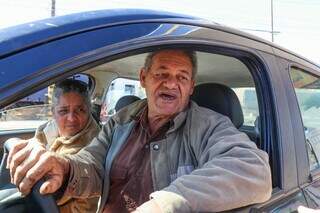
[163, 154]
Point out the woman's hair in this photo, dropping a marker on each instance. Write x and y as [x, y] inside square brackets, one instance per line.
[71, 85]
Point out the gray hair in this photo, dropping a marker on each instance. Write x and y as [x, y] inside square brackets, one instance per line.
[189, 53]
[71, 85]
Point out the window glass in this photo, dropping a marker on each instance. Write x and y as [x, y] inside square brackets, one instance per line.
[248, 100]
[33, 110]
[307, 88]
[28, 112]
[118, 88]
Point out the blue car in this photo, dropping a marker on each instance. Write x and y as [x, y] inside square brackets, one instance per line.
[278, 92]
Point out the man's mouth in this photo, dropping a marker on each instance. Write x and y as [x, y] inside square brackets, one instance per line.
[167, 96]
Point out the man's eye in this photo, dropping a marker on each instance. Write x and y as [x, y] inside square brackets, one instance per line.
[161, 75]
[157, 75]
[183, 78]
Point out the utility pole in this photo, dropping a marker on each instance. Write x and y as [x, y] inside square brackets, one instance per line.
[53, 8]
[272, 32]
[51, 87]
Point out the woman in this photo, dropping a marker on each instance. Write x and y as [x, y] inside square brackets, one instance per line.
[71, 128]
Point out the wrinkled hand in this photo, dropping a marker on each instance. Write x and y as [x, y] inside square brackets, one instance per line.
[149, 206]
[23, 155]
[29, 162]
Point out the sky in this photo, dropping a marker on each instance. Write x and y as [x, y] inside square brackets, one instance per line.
[296, 22]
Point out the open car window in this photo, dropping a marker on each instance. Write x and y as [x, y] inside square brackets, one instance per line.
[248, 99]
[33, 110]
[114, 79]
[119, 88]
[120, 77]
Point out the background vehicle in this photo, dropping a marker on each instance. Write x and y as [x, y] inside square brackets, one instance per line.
[271, 83]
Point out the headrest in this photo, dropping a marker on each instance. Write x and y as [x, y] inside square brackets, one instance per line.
[125, 101]
[221, 99]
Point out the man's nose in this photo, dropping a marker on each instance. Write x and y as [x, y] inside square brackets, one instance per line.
[171, 82]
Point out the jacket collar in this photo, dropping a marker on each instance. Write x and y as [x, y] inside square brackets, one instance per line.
[132, 112]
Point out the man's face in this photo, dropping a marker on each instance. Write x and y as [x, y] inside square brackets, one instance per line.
[168, 83]
[71, 114]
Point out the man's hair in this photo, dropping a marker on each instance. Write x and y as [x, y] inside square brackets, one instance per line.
[71, 85]
[189, 53]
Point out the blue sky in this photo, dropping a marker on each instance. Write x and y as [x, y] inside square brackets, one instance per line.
[297, 21]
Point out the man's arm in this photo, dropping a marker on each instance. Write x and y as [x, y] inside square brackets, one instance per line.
[83, 168]
[87, 166]
[231, 173]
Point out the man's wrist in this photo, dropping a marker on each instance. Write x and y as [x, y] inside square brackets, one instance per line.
[65, 162]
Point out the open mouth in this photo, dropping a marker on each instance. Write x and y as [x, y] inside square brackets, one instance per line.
[167, 96]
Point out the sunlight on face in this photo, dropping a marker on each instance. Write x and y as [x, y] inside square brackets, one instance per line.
[71, 114]
[168, 83]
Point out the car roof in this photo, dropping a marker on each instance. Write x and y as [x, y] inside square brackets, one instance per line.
[20, 37]
[24, 36]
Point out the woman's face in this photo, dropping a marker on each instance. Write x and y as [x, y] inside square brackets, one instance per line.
[71, 114]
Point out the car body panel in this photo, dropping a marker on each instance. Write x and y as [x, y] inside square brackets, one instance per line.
[24, 36]
[312, 194]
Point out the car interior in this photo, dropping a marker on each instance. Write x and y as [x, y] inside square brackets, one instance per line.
[224, 83]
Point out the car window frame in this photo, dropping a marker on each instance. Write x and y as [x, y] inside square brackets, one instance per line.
[315, 173]
[255, 63]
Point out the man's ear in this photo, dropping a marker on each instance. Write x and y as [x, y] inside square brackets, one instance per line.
[192, 86]
[142, 77]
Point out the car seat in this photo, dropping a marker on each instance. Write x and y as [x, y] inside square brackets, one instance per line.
[221, 99]
[125, 101]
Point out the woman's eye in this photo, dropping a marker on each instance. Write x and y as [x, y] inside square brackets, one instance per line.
[63, 112]
[81, 110]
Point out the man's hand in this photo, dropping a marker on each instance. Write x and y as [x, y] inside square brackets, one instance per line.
[53, 167]
[23, 156]
[29, 162]
[149, 206]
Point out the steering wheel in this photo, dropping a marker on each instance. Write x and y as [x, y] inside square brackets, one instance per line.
[11, 200]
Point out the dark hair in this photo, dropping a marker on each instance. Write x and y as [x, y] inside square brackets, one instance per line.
[189, 53]
[71, 85]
